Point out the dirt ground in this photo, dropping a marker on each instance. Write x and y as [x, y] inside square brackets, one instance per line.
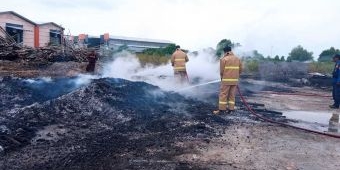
[260, 145]
[265, 146]
[283, 102]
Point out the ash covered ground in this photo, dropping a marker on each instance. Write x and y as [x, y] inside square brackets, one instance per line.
[103, 125]
[119, 124]
[108, 123]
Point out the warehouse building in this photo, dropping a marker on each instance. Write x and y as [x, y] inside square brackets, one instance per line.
[134, 44]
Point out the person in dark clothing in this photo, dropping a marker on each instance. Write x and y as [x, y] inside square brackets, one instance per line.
[92, 58]
[336, 82]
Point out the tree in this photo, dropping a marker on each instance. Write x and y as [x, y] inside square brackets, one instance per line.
[223, 43]
[289, 59]
[257, 55]
[168, 50]
[122, 48]
[326, 55]
[300, 54]
[277, 58]
[269, 58]
[282, 58]
[252, 66]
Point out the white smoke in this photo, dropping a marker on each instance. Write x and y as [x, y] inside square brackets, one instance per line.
[83, 79]
[204, 66]
[201, 68]
[38, 81]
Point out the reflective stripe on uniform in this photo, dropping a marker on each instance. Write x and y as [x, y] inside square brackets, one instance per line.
[231, 102]
[232, 67]
[223, 103]
[179, 59]
[179, 68]
[230, 80]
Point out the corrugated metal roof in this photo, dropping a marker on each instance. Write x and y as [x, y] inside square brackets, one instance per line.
[140, 39]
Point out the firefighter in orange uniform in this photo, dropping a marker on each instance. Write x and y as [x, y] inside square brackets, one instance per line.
[230, 70]
[178, 61]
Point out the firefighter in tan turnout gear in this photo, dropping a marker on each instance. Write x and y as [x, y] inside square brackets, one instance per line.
[230, 70]
[178, 61]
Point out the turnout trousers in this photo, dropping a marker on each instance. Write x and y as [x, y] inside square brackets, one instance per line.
[227, 97]
[181, 76]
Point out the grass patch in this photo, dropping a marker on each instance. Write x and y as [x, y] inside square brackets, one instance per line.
[251, 66]
[156, 60]
[321, 67]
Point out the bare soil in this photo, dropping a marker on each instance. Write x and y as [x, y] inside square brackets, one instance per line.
[286, 102]
[266, 146]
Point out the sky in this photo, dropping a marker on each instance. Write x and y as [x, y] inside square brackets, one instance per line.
[273, 27]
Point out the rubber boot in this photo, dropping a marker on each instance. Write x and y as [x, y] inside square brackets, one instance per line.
[334, 107]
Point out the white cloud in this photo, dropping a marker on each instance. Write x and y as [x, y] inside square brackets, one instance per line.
[270, 26]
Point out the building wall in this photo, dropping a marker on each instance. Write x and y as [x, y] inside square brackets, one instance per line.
[44, 33]
[138, 43]
[28, 33]
[137, 46]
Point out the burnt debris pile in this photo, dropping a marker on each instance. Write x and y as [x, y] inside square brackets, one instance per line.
[106, 124]
[16, 52]
[110, 123]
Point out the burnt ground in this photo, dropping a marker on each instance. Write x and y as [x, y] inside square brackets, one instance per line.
[118, 124]
[101, 126]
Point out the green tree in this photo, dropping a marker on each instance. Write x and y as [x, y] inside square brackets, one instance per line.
[282, 58]
[289, 59]
[300, 54]
[252, 66]
[122, 48]
[277, 58]
[223, 43]
[326, 55]
[269, 58]
[166, 51]
[257, 55]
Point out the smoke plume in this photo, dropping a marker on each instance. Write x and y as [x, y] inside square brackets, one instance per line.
[202, 67]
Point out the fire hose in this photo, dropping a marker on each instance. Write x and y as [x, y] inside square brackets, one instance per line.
[280, 123]
[245, 103]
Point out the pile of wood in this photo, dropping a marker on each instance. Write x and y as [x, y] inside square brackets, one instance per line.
[5, 38]
[51, 53]
[10, 50]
